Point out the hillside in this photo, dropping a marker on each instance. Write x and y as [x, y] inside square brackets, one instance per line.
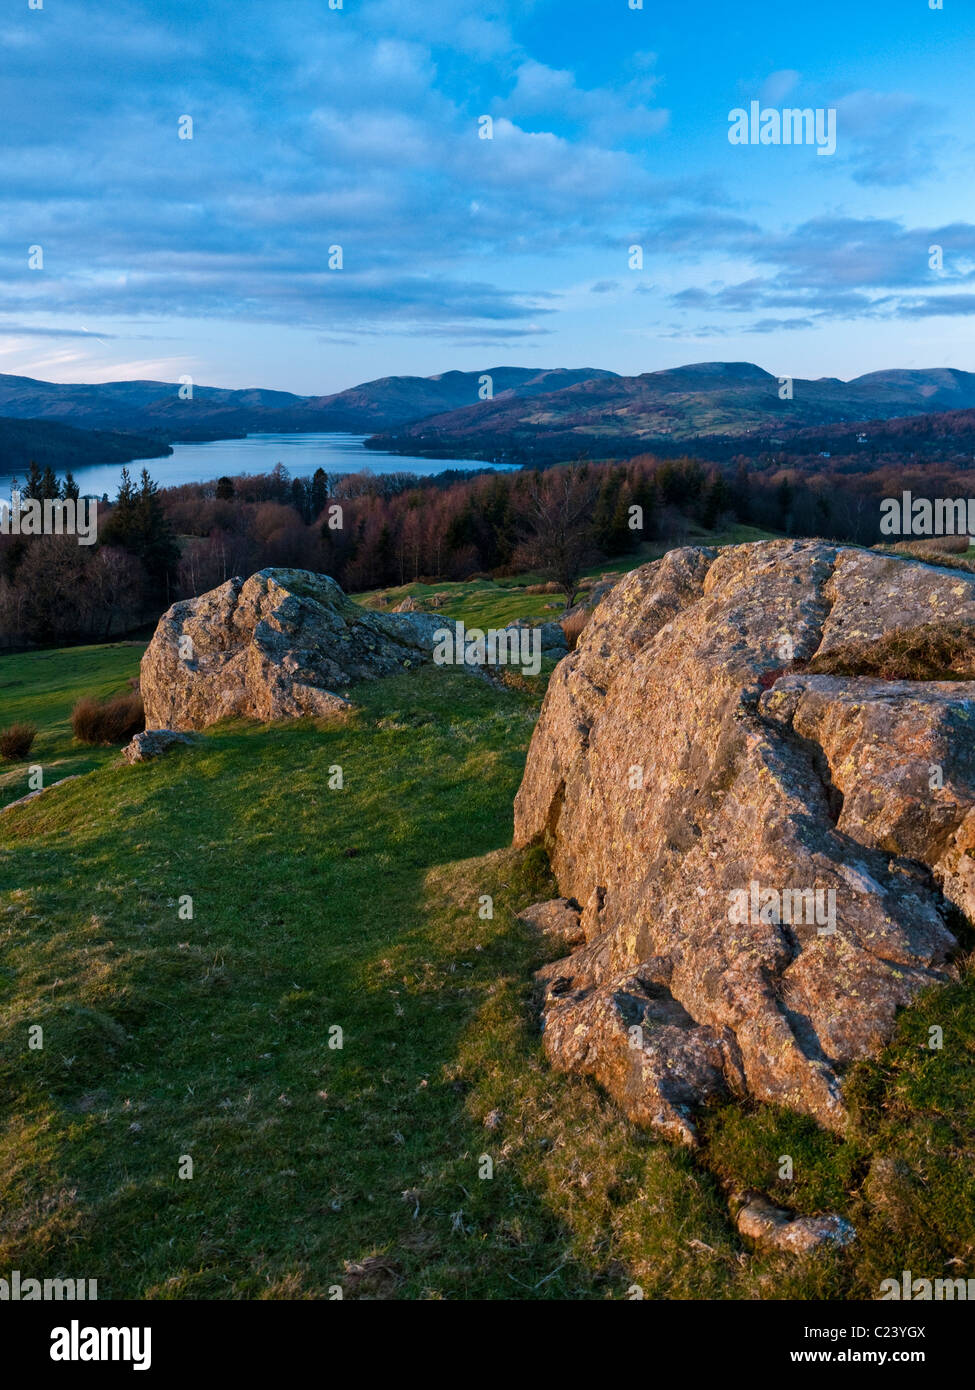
[545, 409]
[60, 446]
[157, 406]
[362, 1166]
[709, 400]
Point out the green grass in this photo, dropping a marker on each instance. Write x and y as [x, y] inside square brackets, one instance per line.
[314, 908]
[360, 1167]
[477, 603]
[493, 603]
[41, 688]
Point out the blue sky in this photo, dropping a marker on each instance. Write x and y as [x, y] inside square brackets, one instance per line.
[358, 127]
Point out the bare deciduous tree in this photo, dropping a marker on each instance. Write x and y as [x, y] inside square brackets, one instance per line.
[559, 538]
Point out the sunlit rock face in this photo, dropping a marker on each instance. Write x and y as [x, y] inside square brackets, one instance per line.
[769, 863]
[278, 645]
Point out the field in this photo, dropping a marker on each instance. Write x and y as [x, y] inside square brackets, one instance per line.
[206, 1030]
[492, 603]
[41, 688]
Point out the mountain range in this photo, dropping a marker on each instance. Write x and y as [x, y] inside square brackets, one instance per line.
[706, 400]
[527, 408]
[158, 407]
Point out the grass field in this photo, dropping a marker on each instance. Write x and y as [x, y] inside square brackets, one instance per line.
[212, 1037]
[41, 688]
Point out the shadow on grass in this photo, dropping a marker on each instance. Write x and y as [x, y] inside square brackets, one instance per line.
[191, 935]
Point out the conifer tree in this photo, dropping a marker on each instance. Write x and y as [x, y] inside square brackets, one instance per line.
[33, 483]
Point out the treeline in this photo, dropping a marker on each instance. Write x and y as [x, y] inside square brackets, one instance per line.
[375, 531]
[54, 590]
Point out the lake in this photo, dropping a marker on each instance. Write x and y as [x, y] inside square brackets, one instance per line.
[301, 454]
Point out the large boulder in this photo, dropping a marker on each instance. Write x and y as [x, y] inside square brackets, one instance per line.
[771, 863]
[278, 645]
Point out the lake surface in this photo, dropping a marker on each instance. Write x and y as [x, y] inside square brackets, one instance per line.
[301, 454]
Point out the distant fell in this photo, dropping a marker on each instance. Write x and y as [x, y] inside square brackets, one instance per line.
[508, 407]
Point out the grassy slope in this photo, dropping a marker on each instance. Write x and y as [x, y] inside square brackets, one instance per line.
[41, 688]
[358, 1167]
[314, 907]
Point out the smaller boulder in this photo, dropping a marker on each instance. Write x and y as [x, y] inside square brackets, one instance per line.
[554, 643]
[152, 743]
[593, 597]
[771, 1228]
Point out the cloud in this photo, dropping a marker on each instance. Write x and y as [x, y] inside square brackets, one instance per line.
[890, 136]
[312, 129]
[607, 115]
[837, 268]
[315, 128]
[23, 330]
[939, 305]
[777, 86]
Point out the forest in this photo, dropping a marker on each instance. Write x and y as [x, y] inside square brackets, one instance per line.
[157, 545]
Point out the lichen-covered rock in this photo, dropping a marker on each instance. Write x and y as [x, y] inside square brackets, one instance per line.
[153, 743]
[558, 919]
[771, 1228]
[639, 1042]
[778, 855]
[280, 644]
[32, 796]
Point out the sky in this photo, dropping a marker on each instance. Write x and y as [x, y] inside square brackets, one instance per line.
[362, 127]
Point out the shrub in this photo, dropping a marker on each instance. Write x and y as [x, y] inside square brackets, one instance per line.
[550, 588]
[109, 721]
[573, 625]
[16, 741]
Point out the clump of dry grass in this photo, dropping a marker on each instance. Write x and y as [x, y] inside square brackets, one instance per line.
[110, 721]
[950, 552]
[16, 741]
[928, 652]
[573, 626]
[949, 545]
